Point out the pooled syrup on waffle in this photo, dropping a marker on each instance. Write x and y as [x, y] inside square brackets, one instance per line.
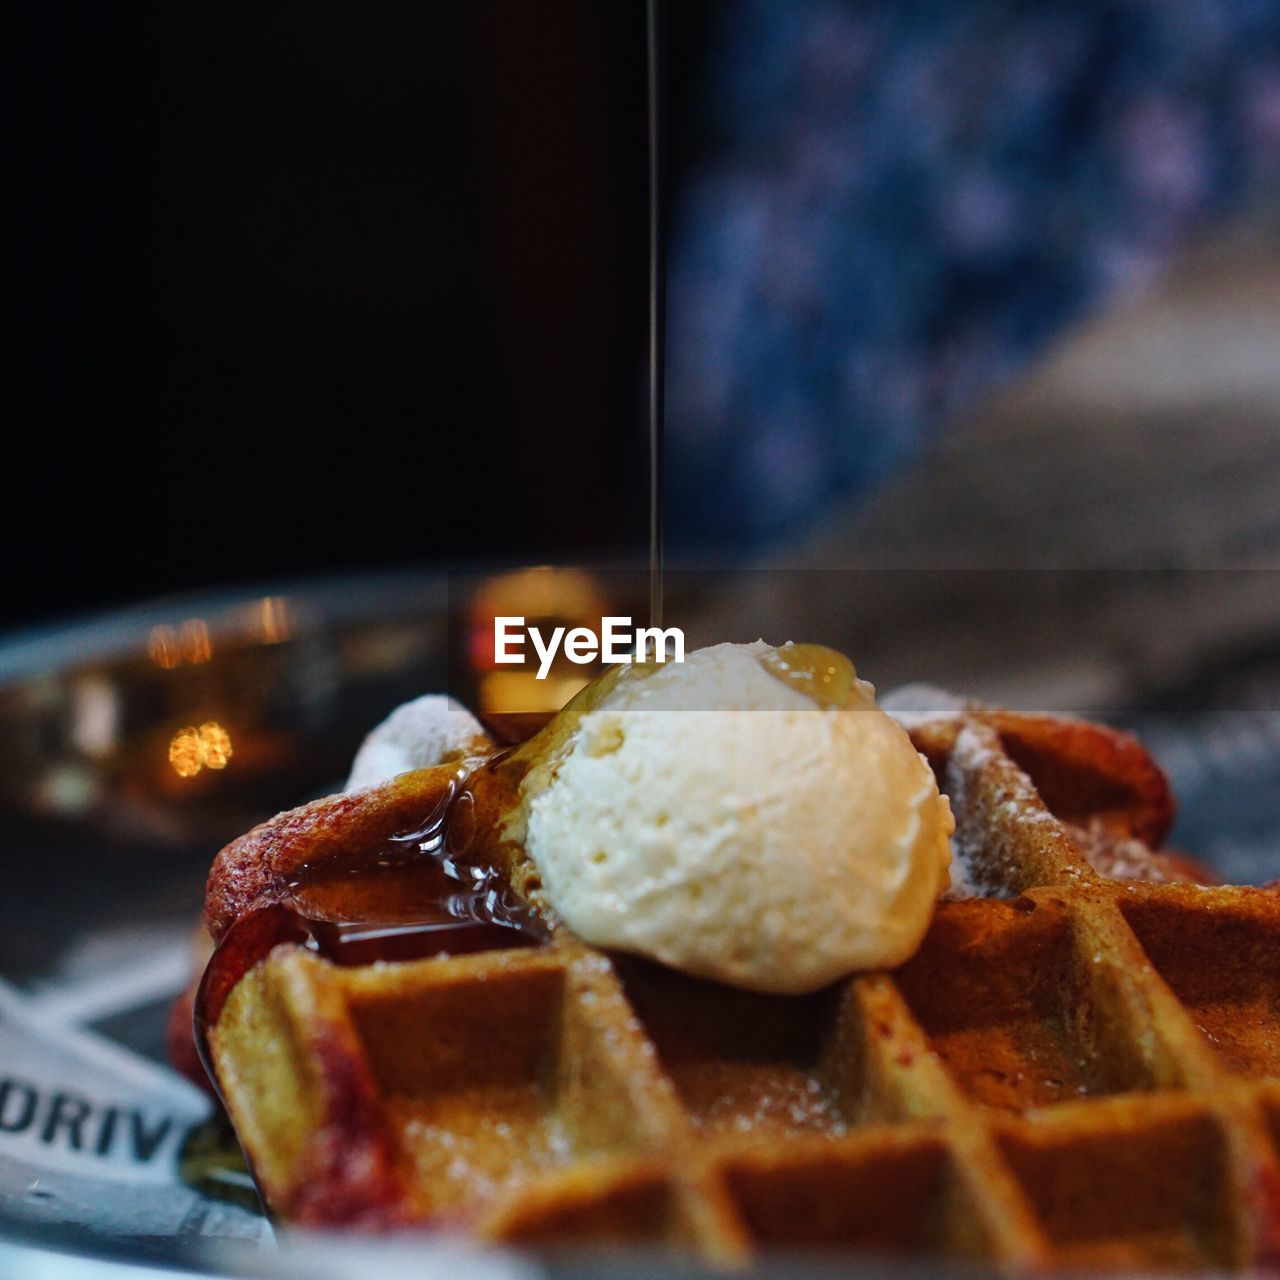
[436, 890]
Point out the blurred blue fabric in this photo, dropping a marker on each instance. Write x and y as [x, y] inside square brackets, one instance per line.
[894, 206]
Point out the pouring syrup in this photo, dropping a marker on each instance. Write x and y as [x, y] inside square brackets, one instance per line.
[431, 891]
[657, 308]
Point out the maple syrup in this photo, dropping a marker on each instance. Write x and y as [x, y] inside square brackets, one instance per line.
[434, 891]
[657, 305]
[824, 675]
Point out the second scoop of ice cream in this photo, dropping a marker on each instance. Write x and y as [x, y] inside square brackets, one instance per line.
[736, 818]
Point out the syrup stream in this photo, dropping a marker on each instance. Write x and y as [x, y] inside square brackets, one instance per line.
[419, 896]
[657, 309]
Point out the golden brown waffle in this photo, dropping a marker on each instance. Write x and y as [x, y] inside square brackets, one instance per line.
[1073, 1071]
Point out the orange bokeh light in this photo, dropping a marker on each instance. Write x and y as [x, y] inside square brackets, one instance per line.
[191, 749]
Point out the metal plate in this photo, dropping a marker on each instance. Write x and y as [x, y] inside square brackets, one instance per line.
[108, 831]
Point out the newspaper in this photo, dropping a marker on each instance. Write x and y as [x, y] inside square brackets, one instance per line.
[91, 1130]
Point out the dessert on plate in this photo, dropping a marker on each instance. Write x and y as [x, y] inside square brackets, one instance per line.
[708, 963]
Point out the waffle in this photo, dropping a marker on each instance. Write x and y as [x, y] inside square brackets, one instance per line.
[1073, 1071]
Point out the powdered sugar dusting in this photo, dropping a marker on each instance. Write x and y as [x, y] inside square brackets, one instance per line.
[915, 705]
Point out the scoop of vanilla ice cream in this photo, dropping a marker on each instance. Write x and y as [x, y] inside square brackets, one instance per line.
[715, 816]
[416, 735]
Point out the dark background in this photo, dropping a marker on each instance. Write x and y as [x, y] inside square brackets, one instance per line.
[299, 288]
